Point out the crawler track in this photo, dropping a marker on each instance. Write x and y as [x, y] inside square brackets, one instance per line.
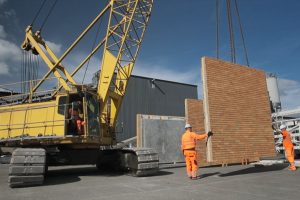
[27, 167]
[140, 161]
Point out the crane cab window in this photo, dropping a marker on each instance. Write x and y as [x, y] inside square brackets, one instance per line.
[62, 104]
[93, 115]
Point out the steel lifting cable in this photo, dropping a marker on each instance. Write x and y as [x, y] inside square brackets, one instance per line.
[231, 34]
[218, 27]
[34, 71]
[242, 32]
[25, 70]
[22, 71]
[49, 13]
[29, 72]
[26, 73]
[93, 46]
[38, 12]
[37, 69]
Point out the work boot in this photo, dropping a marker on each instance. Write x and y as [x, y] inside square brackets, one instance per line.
[194, 174]
[292, 168]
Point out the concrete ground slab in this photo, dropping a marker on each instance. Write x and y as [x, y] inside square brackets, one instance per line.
[228, 183]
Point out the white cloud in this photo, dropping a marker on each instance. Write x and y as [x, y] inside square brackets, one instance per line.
[75, 58]
[10, 13]
[94, 66]
[3, 68]
[9, 51]
[164, 73]
[2, 32]
[2, 2]
[55, 47]
[289, 91]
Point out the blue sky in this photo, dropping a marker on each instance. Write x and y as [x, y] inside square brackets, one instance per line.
[179, 34]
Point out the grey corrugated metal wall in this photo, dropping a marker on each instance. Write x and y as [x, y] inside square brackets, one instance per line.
[157, 97]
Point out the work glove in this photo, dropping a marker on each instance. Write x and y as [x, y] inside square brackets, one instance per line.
[210, 133]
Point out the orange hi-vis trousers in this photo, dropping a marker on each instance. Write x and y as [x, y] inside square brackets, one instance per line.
[190, 161]
[79, 123]
[289, 153]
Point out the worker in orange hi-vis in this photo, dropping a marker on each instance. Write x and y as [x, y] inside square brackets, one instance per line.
[288, 147]
[74, 113]
[188, 145]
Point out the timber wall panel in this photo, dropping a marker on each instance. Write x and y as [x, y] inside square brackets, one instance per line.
[237, 108]
[194, 115]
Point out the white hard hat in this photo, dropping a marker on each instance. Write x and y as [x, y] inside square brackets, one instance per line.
[282, 126]
[188, 126]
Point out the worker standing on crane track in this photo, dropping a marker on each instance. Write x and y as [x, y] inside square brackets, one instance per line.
[188, 145]
[288, 147]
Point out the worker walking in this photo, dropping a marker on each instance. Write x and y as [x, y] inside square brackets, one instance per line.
[188, 145]
[288, 147]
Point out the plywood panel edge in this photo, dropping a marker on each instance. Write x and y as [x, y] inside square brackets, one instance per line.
[209, 154]
[186, 111]
[138, 130]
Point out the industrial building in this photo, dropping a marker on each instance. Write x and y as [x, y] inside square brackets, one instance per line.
[153, 97]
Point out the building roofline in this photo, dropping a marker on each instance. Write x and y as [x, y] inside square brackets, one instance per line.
[144, 77]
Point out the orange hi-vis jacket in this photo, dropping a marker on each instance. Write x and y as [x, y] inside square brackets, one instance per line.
[188, 140]
[287, 140]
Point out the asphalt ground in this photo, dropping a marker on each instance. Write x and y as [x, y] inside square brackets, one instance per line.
[232, 182]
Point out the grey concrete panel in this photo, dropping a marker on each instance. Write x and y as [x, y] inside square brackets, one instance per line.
[163, 135]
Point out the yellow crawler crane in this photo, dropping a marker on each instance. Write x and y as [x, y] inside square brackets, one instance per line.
[74, 123]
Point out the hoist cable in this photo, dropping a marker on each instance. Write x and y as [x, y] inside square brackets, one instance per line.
[38, 12]
[22, 72]
[218, 28]
[49, 13]
[231, 34]
[242, 32]
[93, 46]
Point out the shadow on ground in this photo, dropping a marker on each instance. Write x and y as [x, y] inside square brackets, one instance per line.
[252, 170]
[208, 175]
[171, 166]
[70, 175]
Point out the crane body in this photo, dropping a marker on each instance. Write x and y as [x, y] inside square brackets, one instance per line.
[76, 123]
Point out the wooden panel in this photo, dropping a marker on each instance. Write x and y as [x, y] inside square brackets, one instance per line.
[237, 109]
[194, 115]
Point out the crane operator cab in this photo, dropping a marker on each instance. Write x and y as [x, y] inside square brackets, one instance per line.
[81, 114]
